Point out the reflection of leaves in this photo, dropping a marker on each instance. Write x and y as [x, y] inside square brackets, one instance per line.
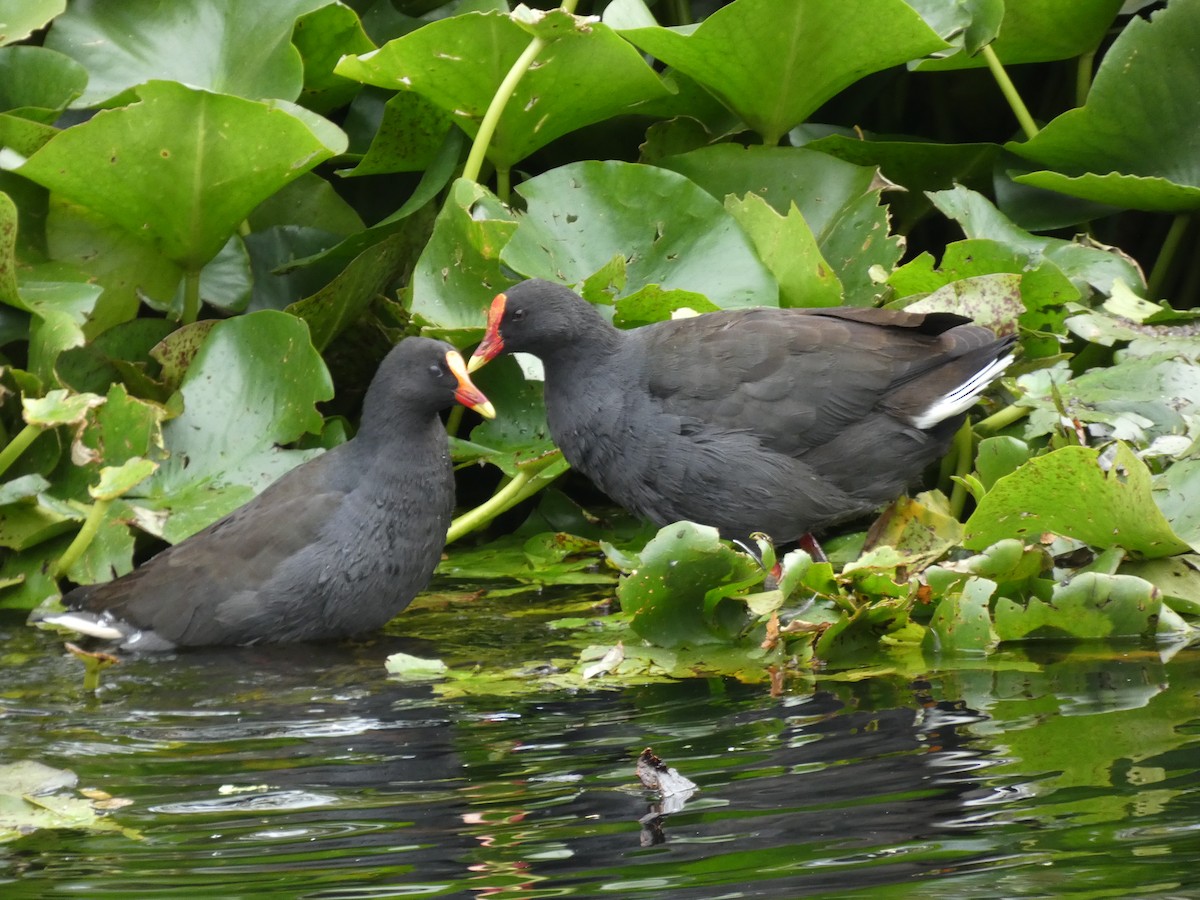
[31, 800]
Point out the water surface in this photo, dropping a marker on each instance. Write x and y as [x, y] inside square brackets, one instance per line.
[1049, 773]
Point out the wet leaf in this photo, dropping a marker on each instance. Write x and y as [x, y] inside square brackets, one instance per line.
[220, 45]
[789, 249]
[1113, 149]
[1177, 577]
[680, 593]
[30, 801]
[24, 17]
[1078, 493]
[1091, 605]
[118, 480]
[962, 622]
[458, 63]
[541, 559]
[251, 387]
[804, 54]
[670, 232]
[414, 668]
[183, 167]
[37, 83]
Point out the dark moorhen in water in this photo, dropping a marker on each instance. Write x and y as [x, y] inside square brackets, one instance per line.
[780, 421]
[336, 547]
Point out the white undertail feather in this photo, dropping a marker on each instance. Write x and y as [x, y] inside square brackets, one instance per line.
[962, 397]
[86, 623]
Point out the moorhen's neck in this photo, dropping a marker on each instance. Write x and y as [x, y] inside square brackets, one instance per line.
[389, 416]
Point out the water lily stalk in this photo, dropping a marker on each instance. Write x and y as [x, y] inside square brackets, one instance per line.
[503, 182]
[1010, 92]
[1002, 419]
[1083, 76]
[17, 446]
[1166, 254]
[491, 118]
[83, 538]
[527, 482]
[191, 297]
[964, 443]
[681, 12]
[454, 420]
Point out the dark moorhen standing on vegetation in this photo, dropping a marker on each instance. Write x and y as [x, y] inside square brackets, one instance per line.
[336, 547]
[780, 421]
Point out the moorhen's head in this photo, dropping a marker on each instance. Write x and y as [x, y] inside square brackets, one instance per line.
[535, 317]
[423, 376]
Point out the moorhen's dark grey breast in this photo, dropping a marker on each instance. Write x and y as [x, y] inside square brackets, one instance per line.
[336, 547]
[781, 421]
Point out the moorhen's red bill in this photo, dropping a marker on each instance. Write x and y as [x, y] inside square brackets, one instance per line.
[783, 421]
[334, 548]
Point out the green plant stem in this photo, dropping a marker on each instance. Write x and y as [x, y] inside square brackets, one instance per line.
[491, 118]
[526, 483]
[454, 420]
[503, 183]
[191, 297]
[1010, 92]
[681, 12]
[964, 442]
[17, 446]
[83, 538]
[1002, 419]
[1083, 76]
[1166, 254]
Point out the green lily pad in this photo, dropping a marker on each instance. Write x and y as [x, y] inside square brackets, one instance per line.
[251, 387]
[31, 800]
[22, 18]
[183, 167]
[118, 480]
[60, 311]
[1177, 492]
[587, 74]
[1102, 498]
[680, 594]
[1025, 31]
[789, 249]
[218, 45]
[459, 272]
[671, 232]
[857, 637]
[1091, 605]
[838, 200]
[962, 622]
[803, 53]
[1085, 264]
[1114, 149]
[38, 84]
[322, 37]
[999, 456]
[414, 668]
[1177, 577]
[538, 560]
[58, 407]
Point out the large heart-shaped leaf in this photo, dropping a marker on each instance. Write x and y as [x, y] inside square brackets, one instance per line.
[251, 387]
[1117, 148]
[669, 231]
[1104, 501]
[585, 75]
[183, 167]
[20, 18]
[223, 45]
[803, 53]
[1025, 31]
[839, 201]
[37, 83]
